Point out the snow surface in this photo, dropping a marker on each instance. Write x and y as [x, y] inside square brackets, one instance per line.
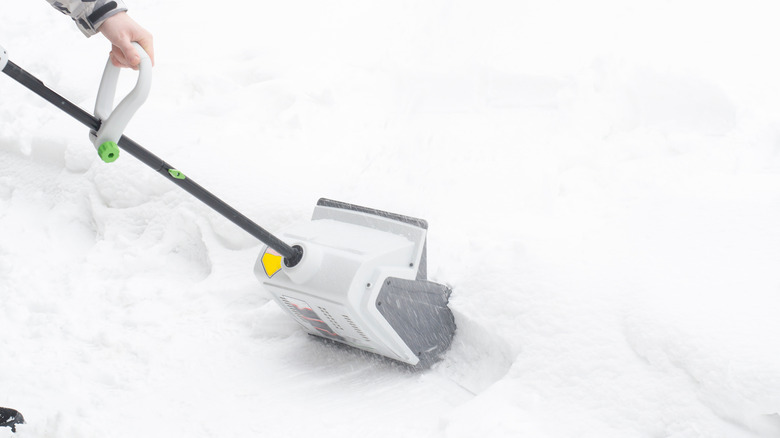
[601, 179]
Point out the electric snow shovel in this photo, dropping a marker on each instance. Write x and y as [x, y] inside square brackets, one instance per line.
[352, 274]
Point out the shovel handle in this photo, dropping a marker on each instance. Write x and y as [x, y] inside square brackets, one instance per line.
[113, 123]
[291, 255]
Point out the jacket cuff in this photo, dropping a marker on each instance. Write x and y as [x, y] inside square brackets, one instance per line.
[89, 24]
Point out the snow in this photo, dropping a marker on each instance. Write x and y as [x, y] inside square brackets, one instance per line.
[601, 180]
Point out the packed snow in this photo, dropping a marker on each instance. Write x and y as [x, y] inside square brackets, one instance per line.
[601, 180]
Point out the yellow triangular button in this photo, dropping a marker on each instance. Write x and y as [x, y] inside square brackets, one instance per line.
[272, 262]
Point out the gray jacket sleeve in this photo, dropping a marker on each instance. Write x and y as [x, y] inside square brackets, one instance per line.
[89, 14]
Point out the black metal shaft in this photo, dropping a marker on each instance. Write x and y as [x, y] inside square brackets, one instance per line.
[292, 255]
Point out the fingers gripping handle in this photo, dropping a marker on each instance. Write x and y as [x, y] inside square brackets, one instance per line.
[113, 123]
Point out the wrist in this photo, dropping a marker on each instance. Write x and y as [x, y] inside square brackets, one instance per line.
[111, 19]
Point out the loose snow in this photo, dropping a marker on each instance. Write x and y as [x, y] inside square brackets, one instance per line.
[601, 179]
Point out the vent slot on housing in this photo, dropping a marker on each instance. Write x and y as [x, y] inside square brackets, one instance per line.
[356, 328]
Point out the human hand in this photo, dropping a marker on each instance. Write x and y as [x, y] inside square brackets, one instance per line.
[121, 31]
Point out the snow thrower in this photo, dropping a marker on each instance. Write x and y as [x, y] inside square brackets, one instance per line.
[352, 275]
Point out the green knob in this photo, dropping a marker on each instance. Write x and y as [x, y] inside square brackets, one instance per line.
[176, 174]
[108, 151]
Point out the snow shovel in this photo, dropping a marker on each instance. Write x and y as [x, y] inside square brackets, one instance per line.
[352, 275]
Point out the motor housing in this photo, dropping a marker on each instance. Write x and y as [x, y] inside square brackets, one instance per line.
[362, 281]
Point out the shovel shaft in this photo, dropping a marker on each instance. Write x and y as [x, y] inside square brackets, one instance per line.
[34, 84]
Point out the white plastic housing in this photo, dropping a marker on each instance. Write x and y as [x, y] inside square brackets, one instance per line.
[347, 256]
